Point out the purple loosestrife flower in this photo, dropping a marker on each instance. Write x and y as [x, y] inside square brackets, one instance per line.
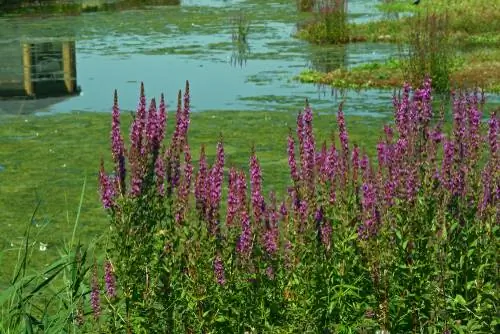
[138, 125]
[160, 175]
[244, 244]
[151, 128]
[106, 188]
[271, 237]
[493, 125]
[270, 272]
[343, 135]
[215, 179]
[109, 278]
[355, 165]
[447, 165]
[369, 198]
[283, 210]
[332, 163]
[117, 146]
[344, 143]
[459, 125]
[303, 213]
[183, 191]
[256, 186]
[241, 189]
[321, 158]
[292, 163]
[183, 118]
[300, 134]
[473, 133]
[136, 183]
[219, 270]
[326, 234]
[162, 119]
[95, 301]
[389, 192]
[201, 185]
[402, 110]
[412, 185]
[232, 197]
[308, 156]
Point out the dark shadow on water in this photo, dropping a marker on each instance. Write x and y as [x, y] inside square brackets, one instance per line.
[36, 73]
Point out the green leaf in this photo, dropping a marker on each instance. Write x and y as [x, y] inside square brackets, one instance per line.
[460, 300]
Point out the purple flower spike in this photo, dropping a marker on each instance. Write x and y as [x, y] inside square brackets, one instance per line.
[110, 280]
[201, 184]
[232, 197]
[95, 301]
[493, 135]
[117, 146]
[244, 244]
[291, 158]
[106, 188]
[219, 270]
[256, 185]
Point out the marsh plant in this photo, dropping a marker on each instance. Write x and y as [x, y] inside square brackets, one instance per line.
[329, 24]
[305, 5]
[402, 242]
[430, 51]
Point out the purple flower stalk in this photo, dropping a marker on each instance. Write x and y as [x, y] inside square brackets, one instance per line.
[256, 185]
[244, 244]
[183, 192]
[106, 188]
[493, 124]
[110, 280]
[200, 191]
[215, 179]
[232, 197]
[326, 234]
[95, 301]
[160, 175]
[138, 126]
[219, 270]
[117, 145]
[291, 158]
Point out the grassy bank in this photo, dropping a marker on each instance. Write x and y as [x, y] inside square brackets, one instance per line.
[479, 68]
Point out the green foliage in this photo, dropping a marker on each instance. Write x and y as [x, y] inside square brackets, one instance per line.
[432, 266]
[329, 25]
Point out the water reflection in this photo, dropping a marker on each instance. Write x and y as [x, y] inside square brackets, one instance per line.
[37, 69]
[241, 48]
[328, 59]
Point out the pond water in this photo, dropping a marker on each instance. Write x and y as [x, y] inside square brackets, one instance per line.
[164, 46]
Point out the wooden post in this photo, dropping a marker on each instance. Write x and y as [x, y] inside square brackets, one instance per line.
[27, 67]
[68, 67]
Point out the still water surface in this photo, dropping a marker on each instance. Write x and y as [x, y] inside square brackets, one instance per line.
[164, 46]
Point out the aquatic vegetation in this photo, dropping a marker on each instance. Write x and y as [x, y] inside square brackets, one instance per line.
[430, 51]
[329, 25]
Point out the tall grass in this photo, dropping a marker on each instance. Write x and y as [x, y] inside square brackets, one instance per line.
[329, 24]
[430, 51]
